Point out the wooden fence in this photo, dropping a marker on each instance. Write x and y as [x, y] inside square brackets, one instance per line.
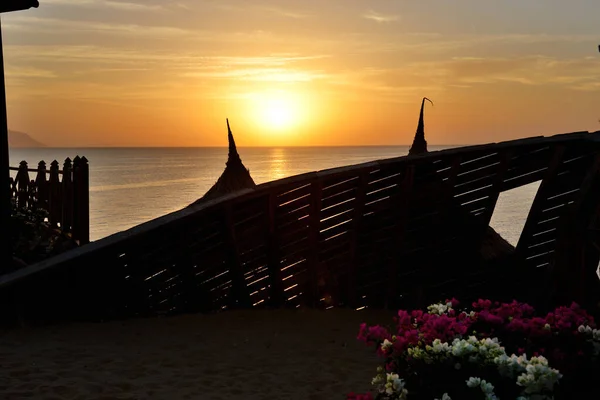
[385, 233]
[63, 194]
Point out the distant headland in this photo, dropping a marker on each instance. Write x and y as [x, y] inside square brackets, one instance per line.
[21, 139]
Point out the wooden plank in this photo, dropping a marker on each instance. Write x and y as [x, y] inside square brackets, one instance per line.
[282, 220]
[298, 192]
[342, 199]
[333, 188]
[339, 217]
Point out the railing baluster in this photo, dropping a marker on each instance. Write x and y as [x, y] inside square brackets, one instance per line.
[67, 196]
[22, 185]
[54, 196]
[42, 186]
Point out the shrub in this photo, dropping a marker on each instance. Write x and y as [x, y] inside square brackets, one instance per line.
[490, 351]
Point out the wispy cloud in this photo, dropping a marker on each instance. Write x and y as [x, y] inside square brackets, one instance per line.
[55, 25]
[286, 13]
[12, 72]
[118, 5]
[381, 18]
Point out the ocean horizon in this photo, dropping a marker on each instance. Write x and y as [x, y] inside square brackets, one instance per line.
[133, 185]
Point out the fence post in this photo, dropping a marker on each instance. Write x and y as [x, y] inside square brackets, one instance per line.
[84, 201]
[76, 231]
[66, 222]
[81, 197]
[22, 185]
[42, 186]
[276, 296]
[54, 197]
[312, 295]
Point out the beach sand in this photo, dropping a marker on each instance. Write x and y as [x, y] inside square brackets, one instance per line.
[254, 354]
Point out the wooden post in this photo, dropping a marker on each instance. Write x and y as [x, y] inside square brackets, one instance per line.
[313, 240]
[5, 191]
[403, 205]
[359, 206]
[22, 185]
[66, 223]
[54, 195]
[76, 212]
[82, 200]
[80, 215]
[5, 206]
[276, 295]
[240, 296]
[42, 186]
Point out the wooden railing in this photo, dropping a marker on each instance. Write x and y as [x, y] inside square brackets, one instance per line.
[386, 233]
[63, 194]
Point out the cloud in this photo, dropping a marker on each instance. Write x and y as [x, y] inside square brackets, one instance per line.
[286, 13]
[27, 72]
[380, 18]
[55, 25]
[118, 5]
[259, 74]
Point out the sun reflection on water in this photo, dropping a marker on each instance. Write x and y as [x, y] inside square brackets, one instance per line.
[278, 167]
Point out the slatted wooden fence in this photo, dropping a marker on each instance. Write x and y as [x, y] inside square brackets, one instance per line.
[63, 194]
[384, 233]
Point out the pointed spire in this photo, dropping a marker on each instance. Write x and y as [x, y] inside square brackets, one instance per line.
[419, 145]
[233, 154]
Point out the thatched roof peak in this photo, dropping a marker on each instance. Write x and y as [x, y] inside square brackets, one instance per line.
[419, 145]
[235, 176]
[233, 155]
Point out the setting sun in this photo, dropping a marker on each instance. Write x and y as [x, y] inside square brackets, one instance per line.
[277, 111]
[278, 114]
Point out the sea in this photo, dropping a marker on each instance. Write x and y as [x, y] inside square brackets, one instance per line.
[129, 186]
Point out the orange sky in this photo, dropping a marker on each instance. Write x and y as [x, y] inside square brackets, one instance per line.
[312, 72]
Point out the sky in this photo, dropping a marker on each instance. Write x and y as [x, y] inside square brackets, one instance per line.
[300, 73]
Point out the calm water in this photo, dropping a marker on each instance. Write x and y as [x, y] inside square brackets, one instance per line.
[129, 186]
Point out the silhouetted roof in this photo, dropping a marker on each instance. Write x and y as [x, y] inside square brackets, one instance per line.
[235, 177]
[17, 5]
[492, 245]
[419, 145]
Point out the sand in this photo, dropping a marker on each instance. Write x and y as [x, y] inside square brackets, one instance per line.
[255, 354]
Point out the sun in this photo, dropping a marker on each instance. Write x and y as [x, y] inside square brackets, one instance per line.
[277, 111]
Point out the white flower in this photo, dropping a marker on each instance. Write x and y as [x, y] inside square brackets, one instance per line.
[445, 396]
[439, 309]
[486, 387]
[473, 382]
[386, 345]
[547, 327]
[585, 329]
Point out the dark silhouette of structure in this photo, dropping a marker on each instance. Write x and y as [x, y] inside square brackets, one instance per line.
[235, 177]
[5, 252]
[419, 145]
[493, 245]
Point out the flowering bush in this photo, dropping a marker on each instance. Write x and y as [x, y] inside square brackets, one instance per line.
[491, 351]
[33, 239]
